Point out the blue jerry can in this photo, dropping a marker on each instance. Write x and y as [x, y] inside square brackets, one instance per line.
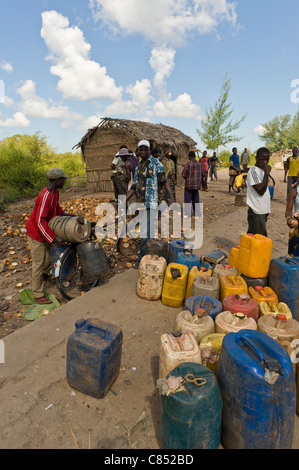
[257, 383]
[93, 357]
[211, 305]
[176, 247]
[284, 280]
[191, 418]
[188, 259]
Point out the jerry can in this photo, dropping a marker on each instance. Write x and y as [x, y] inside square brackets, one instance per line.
[232, 285]
[191, 418]
[210, 347]
[157, 246]
[189, 259]
[254, 255]
[93, 260]
[206, 285]
[93, 356]
[211, 305]
[258, 281]
[278, 327]
[71, 229]
[177, 246]
[227, 322]
[195, 271]
[225, 270]
[263, 294]
[151, 276]
[258, 390]
[284, 280]
[175, 349]
[198, 322]
[266, 308]
[233, 257]
[174, 284]
[242, 303]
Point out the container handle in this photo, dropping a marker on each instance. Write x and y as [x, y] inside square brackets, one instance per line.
[257, 351]
[87, 324]
[271, 365]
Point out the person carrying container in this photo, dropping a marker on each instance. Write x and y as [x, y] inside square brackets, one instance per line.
[258, 194]
[40, 236]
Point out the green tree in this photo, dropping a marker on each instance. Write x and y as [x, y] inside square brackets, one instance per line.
[218, 127]
[281, 132]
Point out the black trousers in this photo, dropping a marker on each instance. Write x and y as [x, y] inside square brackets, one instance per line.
[257, 223]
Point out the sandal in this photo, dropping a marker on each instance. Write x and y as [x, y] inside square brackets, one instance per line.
[136, 266]
[43, 300]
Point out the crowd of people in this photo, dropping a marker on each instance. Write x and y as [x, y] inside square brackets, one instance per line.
[150, 175]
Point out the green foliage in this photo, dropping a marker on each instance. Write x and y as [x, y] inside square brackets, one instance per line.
[24, 162]
[218, 127]
[281, 132]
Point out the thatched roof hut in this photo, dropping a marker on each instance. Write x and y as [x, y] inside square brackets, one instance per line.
[100, 144]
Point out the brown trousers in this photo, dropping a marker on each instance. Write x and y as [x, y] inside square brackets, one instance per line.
[41, 263]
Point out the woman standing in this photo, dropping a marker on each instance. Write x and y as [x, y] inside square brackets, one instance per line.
[293, 219]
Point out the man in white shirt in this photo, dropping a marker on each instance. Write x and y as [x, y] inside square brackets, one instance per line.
[258, 195]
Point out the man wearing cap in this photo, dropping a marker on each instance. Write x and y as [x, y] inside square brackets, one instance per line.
[149, 175]
[39, 234]
[121, 176]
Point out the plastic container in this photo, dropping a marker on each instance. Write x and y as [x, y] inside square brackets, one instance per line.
[210, 347]
[191, 419]
[175, 349]
[225, 270]
[268, 308]
[157, 246]
[70, 229]
[175, 247]
[174, 288]
[257, 384]
[259, 281]
[284, 280]
[227, 322]
[263, 294]
[188, 259]
[69, 267]
[206, 285]
[278, 327]
[212, 306]
[200, 323]
[233, 256]
[232, 285]
[92, 259]
[254, 255]
[195, 271]
[151, 277]
[93, 356]
[241, 303]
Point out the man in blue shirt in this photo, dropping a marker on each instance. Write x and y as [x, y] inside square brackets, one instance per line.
[234, 168]
[149, 176]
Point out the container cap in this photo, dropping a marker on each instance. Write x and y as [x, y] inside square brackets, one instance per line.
[227, 266]
[281, 316]
[258, 288]
[240, 315]
[200, 312]
[203, 269]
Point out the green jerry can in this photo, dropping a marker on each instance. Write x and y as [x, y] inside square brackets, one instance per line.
[191, 417]
[93, 357]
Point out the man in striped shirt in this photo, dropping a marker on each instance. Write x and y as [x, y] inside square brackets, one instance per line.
[40, 236]
[258, 194]
[192, 175]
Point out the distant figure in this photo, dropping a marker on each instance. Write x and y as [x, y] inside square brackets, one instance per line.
[213, 160]
[169, 170]
[122, 174]
[245, 159]
[204, 160]
[192, 175]
[234, 168]
[258, 194]
[116, 163]
[293, 218]
[292, 167]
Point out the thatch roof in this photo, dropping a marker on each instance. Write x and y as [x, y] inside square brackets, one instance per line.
[157, 133]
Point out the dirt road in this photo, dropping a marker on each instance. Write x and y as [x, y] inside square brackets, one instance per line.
[38, 408]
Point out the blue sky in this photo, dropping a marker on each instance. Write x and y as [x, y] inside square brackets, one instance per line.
[65, 65]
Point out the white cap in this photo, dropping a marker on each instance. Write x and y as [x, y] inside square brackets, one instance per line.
[144, 143]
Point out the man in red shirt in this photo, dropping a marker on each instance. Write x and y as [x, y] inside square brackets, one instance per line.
[205, 170]
[192, 175]
[39, 234]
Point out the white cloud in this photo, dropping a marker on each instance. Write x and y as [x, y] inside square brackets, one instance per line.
[8, 101]
[6, 66]
[260, 130]
[162, 62]
[18, 120]
[80, 77]
[164, 21]
[35, 106]
[140, 99]
[181, 107]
